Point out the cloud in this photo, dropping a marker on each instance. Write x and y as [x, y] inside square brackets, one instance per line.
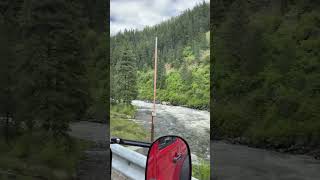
[137, 14]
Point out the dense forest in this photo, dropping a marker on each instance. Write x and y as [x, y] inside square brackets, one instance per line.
[53, 62]
[183, 61]
[53, 70]
[266, 73]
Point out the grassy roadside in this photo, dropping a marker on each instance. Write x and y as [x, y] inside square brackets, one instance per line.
[122, 126]
[201, 171]
[37, 156]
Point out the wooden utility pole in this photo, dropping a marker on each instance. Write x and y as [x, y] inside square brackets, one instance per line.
[153, 115]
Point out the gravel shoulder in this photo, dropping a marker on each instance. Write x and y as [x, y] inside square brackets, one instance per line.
[96, 163]
[231, 162]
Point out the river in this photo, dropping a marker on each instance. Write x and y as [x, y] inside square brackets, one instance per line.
[192, 125]
[229, 161]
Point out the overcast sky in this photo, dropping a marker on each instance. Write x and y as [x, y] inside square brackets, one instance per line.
[136, 14]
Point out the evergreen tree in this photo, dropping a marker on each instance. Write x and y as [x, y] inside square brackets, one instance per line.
[182, 44]
[97, 71]
[9, 39]
[265, 73]
[126, 77]
[173, 36]
[52, 69]
[6, 108]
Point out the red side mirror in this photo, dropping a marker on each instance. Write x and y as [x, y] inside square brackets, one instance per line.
[169, 159]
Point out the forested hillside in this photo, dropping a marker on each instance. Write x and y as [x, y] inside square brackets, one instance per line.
[52, 63]
[183, 60]
[266, 66]
[53, 70]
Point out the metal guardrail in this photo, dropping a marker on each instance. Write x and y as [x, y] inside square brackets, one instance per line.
[129, 163]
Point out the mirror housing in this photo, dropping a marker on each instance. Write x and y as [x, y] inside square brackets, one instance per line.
[169, 158]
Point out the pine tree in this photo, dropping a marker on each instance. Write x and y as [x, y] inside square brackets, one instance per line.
[9, 39]
[5, 78]
[52, 80]
[126, 77]
[97, 71]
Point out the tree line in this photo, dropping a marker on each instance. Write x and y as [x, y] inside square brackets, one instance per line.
[54, 64]
[183, 60]
[266, 72]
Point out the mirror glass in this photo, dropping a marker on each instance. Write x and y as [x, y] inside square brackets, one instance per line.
[169, 159]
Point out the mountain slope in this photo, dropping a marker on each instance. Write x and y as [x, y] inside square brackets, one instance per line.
[183, 58]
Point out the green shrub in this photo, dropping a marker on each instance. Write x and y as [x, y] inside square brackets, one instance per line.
[43, 155]
[128, 110]
[201, 171]
[127, 129]
[22, 146]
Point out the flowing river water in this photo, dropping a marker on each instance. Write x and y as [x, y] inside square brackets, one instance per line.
[192, 125]
[229, 161]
